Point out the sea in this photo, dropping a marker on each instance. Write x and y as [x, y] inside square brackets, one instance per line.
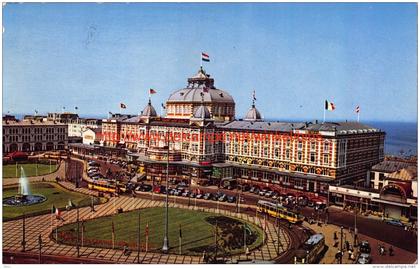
[400, 139]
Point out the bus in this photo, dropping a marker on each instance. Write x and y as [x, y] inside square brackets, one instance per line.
[279, 211]
[311, 251]
[106, 186]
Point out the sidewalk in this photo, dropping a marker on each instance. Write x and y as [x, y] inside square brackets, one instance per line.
[400, 256]
[328, 232]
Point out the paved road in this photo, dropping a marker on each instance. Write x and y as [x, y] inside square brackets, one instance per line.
[371, 227]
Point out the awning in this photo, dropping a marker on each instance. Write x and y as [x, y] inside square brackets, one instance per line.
[390, 202]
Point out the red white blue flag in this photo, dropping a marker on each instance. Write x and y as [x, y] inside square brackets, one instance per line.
[205, 57]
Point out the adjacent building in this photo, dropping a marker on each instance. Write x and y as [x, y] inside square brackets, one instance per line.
[30, 135]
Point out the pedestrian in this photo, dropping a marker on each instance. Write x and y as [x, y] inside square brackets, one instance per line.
[335, 235]
[352, 256]
[347, 245]
[350, 253]
[391, 251]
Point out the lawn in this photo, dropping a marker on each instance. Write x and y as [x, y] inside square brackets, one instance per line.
[197, 230]
[31, 169]
[55, 194]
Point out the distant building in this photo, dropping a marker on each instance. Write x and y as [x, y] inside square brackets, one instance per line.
[378, 172]
[92, 136]
[33, 135]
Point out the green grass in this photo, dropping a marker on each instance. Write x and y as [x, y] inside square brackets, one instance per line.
[30, 169]
[197, 231]
[55, 194]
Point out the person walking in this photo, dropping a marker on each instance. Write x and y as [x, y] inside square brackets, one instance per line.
[391, 251]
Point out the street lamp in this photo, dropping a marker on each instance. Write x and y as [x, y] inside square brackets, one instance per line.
[165, 246]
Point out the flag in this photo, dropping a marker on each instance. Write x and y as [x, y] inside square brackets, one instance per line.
[329, 105]
[58, 213]
[205, 57]
[110, 113]
[71, 204]
[152, 91]
[122, 105]
[253, 96]
[357, 110]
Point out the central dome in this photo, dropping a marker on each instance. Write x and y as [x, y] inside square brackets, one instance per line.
[200, 90]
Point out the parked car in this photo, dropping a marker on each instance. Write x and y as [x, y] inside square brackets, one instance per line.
[364, 258]
[222, 198]
[365, 247]
[252, 189]
[230, 187]
[394, 222]
[199, 196]
[256, 191]
[207, 196]
[192, 195]
[182, 184]
[269, 194]
[262, 192]
[231, 199]
[186, 193]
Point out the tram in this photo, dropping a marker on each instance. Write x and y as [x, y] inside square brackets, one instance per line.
[312, 250]
[279, 211]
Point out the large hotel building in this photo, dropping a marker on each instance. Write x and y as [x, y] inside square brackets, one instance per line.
[208, 143]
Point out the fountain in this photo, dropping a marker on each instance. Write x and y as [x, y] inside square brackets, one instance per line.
[24, 196]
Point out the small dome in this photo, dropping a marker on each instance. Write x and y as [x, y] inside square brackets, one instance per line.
[253, 114]
[202, 112]
[149, 111]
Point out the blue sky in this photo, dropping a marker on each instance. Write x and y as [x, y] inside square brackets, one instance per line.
[295, 56]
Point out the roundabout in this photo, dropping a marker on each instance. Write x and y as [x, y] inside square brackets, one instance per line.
[196, 232]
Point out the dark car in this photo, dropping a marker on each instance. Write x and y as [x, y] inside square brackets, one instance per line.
[222, 198]
[231, 199]
[365, 247]
[252, 189]
[207, 196]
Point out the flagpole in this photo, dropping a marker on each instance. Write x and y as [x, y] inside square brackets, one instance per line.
[201, 61]
[324, 115]
[358, 116]
[138, 241]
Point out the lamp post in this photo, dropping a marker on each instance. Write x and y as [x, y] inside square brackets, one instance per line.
[78, 229]
[341, 245]
[39, 248]
[165, 246]
[23, 243]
